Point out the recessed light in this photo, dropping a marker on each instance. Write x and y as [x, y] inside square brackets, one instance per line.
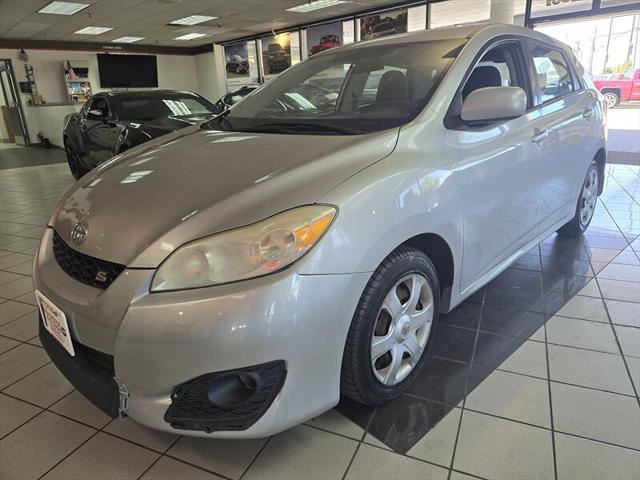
[63, 8]
[315, 5]
[127, 39]
[191, 36]
[192, 20]
[93, 30]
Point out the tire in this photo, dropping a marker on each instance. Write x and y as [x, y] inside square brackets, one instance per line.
[612, 99]
[586, 205]
[77, 170]
[375, 381]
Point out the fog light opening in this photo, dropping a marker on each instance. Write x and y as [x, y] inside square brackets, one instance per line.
[232, 389]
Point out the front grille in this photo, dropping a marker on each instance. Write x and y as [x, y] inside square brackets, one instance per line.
[88, 270]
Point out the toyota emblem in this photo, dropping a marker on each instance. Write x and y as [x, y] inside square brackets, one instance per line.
[79, 232]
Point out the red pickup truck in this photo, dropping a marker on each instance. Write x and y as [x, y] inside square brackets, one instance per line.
[618, 88]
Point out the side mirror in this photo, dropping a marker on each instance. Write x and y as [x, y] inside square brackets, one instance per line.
[494, 103]
[96, 115]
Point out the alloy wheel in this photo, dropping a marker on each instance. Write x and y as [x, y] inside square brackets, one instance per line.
[589, 197]
[611, 99]
[402, 328]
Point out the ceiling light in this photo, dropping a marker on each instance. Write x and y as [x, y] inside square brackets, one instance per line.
[192, 20]
[93, 30]
[63, 8]
[127, 39]
[315, 5]
[191, 36]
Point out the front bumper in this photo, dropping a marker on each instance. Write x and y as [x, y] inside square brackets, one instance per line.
[160, 341]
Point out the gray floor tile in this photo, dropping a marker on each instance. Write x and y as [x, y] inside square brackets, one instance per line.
[43, 387]
[303, 452]
[588, 308]
[79, 408]
[24, 268]
[107, 458]
[582, 334]
[371, 440]
[334, 421]
[7, 344]
[598, 415]
[624, 313]
[7, 277]
[437, 445]
[602, 254]
[615, 290]
[634, 370]
[512, 396]
[582, 459]
[11, 310]
[14, 259]
[28, 297]
[16, 288]
[460, 476]
[589, 369]
[373, 463]
[627, 257]
[614, 271]
[142, 435]
[14, 413]
[22, 328]
[169, 469]
[20, 361]
[225, 457]
[629, 338]
[501, 449]
[529, 359]
[34, 448]
[591, 289]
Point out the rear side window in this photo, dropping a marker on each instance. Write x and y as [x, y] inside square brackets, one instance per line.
[553, 72]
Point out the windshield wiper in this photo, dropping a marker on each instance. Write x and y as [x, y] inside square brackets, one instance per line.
[301, 127]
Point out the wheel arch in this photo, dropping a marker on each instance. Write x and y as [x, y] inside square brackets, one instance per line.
[440, 253]
[601, 160]
[615, 90]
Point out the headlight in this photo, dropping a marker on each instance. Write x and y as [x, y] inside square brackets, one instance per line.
[259, 249]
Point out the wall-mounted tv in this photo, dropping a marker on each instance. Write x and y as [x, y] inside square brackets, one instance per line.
[127, 71]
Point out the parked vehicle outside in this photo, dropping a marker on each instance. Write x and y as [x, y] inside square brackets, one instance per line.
[278, 59]
[618, 88]
[113, 122]
[237, 64]
[235, 278]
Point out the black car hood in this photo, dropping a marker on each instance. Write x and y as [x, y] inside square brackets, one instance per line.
[162, 125]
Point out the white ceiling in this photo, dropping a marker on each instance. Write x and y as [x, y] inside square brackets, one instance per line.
[149, 18]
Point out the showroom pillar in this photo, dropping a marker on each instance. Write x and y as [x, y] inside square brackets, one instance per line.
[502, 11]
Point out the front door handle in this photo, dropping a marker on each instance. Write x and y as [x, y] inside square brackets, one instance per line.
[588, 112]
[539, 136]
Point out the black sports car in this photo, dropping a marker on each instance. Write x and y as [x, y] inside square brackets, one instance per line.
[112, 122]
[230, 99]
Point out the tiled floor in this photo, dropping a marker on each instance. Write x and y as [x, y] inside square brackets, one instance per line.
[536, 376]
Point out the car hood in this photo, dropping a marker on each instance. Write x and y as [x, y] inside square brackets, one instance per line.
[143, 204]
[164, 125]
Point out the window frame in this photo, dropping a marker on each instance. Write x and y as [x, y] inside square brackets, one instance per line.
[99, 97]
[452, 120]
[578, 87]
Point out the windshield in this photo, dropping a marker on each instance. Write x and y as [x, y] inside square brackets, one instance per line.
[349, 91]
[150, 107]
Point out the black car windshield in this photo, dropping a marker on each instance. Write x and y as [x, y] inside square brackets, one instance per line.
[347, 91]
[141, 107]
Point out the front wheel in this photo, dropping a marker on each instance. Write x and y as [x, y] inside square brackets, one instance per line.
[586, 205]
[612, 99]
[391, 328]
[77, 170]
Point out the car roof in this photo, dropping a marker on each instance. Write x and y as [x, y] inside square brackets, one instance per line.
[117, 93]
[451, 33]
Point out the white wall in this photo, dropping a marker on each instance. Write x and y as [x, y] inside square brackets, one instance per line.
[210, 74]
[174, 72]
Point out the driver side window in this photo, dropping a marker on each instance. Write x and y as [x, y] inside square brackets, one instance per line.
[100, 104]
[554, 75]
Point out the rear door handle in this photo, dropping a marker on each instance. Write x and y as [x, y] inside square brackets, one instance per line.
[539, 136]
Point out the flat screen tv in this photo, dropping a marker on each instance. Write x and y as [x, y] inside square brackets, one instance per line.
[127, 71]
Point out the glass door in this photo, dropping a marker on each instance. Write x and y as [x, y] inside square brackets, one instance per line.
[13, 125]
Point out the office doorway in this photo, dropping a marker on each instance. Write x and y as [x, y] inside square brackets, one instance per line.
[13, 128]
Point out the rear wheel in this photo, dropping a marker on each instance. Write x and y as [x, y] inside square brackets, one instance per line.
[391, 329]
[586, 204]
[77, 170]
[612, 99]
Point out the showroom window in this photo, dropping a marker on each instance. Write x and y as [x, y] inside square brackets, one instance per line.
[554, 75]
[544, 8]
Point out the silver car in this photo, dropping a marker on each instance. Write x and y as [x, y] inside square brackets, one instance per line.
[233, 279]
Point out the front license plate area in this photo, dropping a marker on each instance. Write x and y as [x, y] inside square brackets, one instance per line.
[55, 321]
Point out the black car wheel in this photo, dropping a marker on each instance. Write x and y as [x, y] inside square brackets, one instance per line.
[391, 328]
[77, 170]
